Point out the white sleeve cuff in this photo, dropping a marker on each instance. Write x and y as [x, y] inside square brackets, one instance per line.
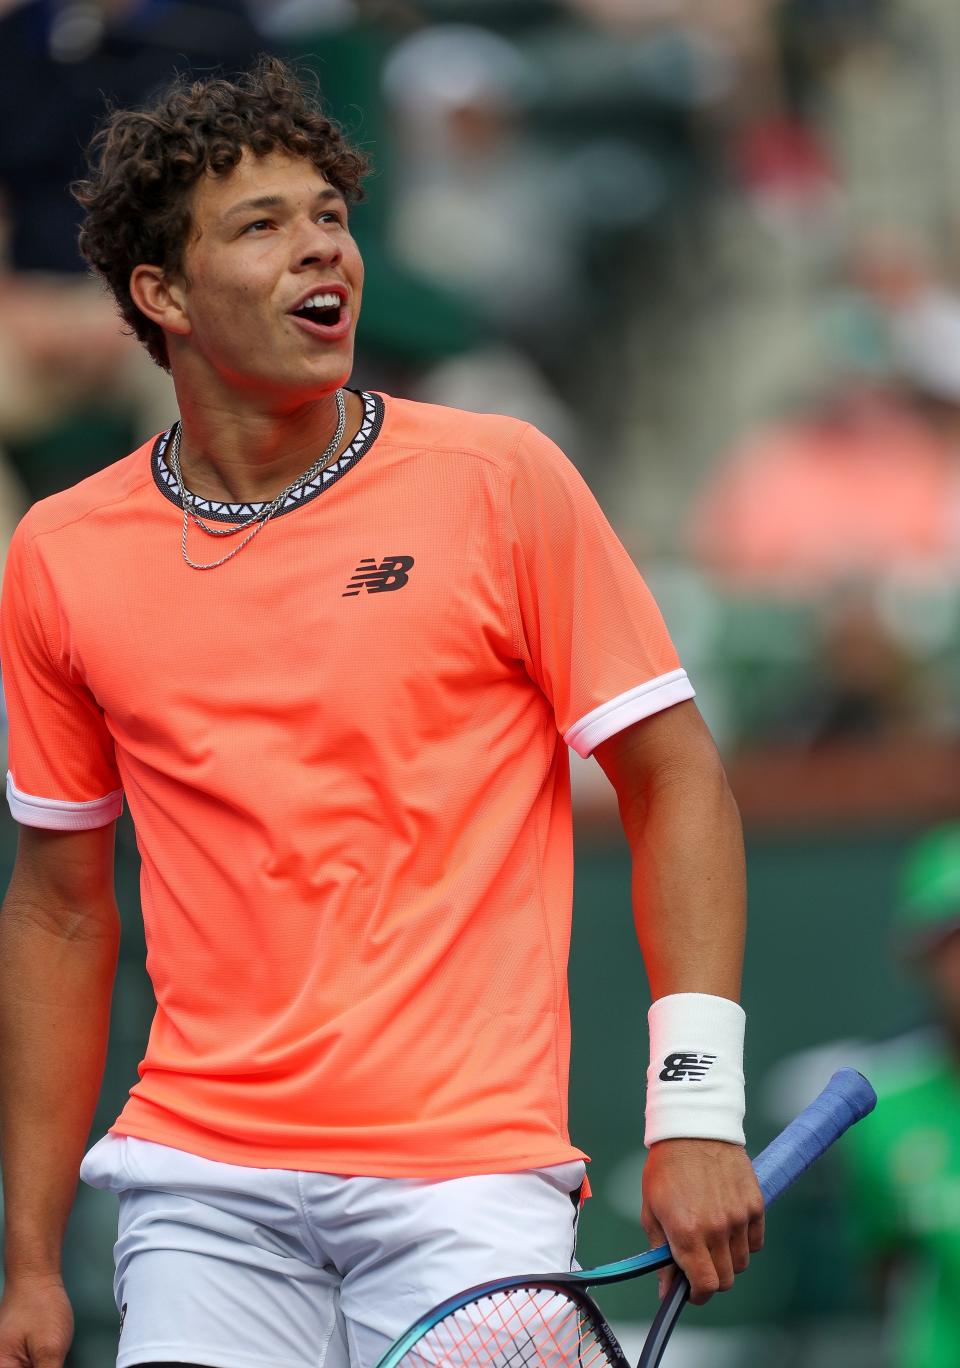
[57, 814]
[633, 706]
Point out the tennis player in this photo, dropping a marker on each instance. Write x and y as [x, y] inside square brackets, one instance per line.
[331, 647]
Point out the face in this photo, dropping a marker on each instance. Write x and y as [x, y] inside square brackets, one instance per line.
[273, 282]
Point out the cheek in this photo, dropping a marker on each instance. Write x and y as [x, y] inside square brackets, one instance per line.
[354, 264]
[228, 303]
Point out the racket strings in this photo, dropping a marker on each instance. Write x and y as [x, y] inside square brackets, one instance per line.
[526, 1328]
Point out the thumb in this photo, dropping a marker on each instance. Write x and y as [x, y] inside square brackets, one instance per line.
[655, 1235]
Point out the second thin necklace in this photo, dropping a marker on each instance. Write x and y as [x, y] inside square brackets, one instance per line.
[260, 516]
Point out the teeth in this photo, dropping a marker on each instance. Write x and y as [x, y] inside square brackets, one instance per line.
[322, 301]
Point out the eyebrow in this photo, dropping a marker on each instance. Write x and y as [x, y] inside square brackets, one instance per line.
[277, 202]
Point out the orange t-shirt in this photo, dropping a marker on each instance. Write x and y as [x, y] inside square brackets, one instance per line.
[343, 754]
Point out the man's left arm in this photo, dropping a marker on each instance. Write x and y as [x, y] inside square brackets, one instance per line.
[689, 897]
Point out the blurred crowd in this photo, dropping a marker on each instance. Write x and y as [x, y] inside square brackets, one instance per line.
[712, 250]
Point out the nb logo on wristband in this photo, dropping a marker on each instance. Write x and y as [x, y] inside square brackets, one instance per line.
[677, 1067]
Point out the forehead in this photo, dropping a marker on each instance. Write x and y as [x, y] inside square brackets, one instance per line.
[276, 173]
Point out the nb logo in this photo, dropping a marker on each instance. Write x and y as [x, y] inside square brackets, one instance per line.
[391, 573]
[677, 1067]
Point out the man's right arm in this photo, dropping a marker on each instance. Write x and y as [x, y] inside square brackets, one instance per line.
[59, 941]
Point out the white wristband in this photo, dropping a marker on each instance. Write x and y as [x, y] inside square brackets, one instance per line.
[695, 1078]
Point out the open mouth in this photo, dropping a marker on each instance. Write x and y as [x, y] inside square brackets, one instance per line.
[324, 309]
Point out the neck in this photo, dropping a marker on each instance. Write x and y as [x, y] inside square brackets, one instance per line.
[249, 457]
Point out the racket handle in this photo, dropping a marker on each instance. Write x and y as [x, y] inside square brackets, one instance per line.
[847, 1098]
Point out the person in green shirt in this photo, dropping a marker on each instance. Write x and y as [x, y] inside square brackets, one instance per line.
[904, 1160]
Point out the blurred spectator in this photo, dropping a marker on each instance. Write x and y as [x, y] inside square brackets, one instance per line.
[285, 19]
[904, 1160]
[479, 205]
[502, 379]
[858, 486]
[785, 168]
[853, 505]
[60, 60]
[479, 209]
[62, 350]
[865, 684]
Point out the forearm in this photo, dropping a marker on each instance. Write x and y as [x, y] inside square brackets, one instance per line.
[56, 983]
[681, 822]
[690, 907]
[689, 882]
[683, 828]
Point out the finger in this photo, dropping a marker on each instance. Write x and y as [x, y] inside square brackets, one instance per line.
[756, 1231]
[699, 1266]
[722, 1256]
[740, 1248]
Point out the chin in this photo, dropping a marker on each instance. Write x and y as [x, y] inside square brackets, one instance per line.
[303, 386]
[327, 372]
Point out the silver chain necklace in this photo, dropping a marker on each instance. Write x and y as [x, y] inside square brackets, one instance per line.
[260, 516]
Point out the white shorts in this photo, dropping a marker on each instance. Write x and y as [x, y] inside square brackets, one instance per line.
[235, 1267]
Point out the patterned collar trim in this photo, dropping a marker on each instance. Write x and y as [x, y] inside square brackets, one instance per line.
[215, 511]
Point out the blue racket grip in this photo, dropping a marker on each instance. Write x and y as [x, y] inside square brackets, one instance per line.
[847, 1098]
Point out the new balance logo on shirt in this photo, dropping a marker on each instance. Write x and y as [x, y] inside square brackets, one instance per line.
[677, 1067]
[391, 573]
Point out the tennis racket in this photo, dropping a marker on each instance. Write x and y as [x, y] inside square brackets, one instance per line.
[551, 1321]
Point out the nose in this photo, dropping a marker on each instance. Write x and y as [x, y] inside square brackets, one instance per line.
[316, 245]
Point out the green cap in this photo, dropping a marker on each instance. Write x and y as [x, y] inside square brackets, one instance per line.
[929, 906]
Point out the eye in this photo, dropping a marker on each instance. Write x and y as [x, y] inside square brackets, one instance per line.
[331, 214]
[258, 223]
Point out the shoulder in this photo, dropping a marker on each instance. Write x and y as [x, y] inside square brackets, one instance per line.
[492, 437]
[89, 498]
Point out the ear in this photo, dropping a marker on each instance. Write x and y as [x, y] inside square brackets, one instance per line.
[161, 298]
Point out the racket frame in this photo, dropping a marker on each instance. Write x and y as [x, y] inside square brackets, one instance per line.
[572, 1285]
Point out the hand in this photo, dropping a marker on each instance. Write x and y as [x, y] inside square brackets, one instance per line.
[703, 1199]
[36, 1322]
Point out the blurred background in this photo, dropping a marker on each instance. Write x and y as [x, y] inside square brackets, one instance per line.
[712, 249]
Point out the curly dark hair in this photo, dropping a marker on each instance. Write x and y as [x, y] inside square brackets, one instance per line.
[143, 164]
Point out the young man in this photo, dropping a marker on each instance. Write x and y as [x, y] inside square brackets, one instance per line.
[338, 715]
